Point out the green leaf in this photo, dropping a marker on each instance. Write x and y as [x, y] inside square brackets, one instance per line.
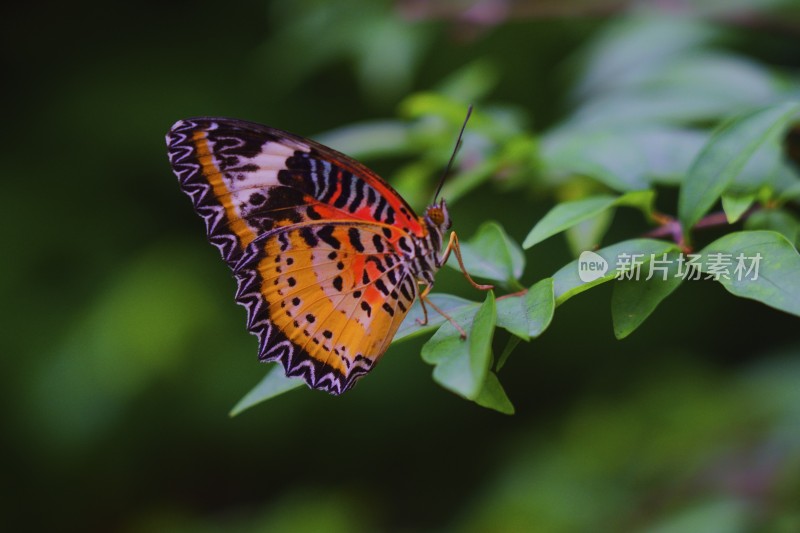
[567, 282]
[632, 301]
[513, 342]
[527, 316]
[652, 106]
[778, 220]
[635, 46]
[689, 88]
[515, 155]
[641, 200]
[625, 158]
[452, 305]
[790, 193]
[492, 396]
[726, 154]
[736, 205]
[462, 364]
[588, 234]
[761, 170]
[567, 214]
[386, 55]
[728, 514]
[412, 180]
[732, 80]
[601, 155]
[384, 138]
[491, 254]
[778, 268]
[469, 178]
[471, 82]
[428, 104]
[274, 384]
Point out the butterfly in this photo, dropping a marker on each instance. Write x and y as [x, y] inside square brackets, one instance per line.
[328, 257]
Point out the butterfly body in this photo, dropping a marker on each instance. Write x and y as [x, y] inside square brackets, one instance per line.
[327, 256]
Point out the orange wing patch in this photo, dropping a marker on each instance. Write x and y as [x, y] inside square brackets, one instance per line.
[336, 292]
[214, 176]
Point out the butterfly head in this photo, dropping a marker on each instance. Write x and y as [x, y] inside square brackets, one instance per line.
[437, 216]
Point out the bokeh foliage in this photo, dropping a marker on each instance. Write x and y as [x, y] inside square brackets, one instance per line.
[124, 352]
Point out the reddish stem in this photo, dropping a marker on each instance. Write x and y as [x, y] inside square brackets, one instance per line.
[523, 292]
[671, 227]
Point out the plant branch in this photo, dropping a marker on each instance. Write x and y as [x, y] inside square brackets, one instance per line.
[672, 228]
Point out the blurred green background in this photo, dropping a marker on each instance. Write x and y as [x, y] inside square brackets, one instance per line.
[123, 351]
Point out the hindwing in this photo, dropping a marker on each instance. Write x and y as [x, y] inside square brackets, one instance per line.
[325, 300]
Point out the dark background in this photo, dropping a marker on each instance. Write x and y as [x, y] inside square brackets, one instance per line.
[122, 349]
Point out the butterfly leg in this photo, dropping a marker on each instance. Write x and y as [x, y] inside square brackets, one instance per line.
[453, 246]
[423, 297]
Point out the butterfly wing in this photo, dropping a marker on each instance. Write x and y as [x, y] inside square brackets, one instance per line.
[315, 240]
[325, 300]
[246, 179]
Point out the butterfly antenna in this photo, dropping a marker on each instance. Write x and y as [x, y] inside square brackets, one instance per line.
[452, 157]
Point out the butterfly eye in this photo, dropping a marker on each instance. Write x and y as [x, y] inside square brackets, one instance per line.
[436, 215]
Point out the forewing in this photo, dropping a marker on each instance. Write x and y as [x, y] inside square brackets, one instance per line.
[246, 180]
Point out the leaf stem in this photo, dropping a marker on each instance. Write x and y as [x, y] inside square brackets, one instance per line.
[523, 292]
[671, 227]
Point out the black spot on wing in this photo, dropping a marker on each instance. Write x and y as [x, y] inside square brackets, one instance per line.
[378, 263]
[355, 239]
[366, 307]
[381, 286]
[312, 214]
[401, 242]
[405, 292]
[377, 241]
[326, 234]
[308, 235]
[283, 239]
